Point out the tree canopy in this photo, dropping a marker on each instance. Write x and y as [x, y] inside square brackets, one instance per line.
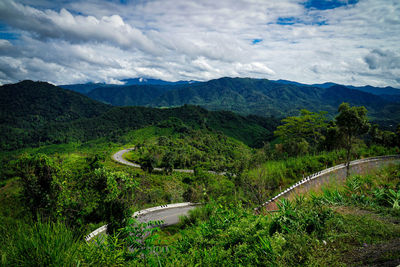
[300, 132]
[351, 122]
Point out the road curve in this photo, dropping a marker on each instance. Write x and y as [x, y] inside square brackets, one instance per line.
[271, 203]
[168, 214]
[118, 157]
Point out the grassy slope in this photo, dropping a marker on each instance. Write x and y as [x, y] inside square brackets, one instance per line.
[335, 227]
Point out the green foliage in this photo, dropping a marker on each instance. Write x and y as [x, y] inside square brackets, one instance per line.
[117, 194]
[194, 148]
[352, 122]
[107, 250]
[38, 176]
[301, 131]
[377, 192]
[141, 238]
[394, 198]
[41, 243]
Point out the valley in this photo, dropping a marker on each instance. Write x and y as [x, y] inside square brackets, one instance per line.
[62, 178]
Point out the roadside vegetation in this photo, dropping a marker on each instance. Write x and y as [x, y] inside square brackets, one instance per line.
[52, 196]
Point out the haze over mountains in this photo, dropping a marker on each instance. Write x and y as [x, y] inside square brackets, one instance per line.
[252, 96]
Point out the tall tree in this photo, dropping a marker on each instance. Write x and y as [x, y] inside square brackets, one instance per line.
[300, 132]
[352, 123]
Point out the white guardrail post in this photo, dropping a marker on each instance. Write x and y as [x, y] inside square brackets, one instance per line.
[326, 171]
[140, 213]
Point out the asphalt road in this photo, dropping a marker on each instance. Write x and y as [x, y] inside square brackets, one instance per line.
[169, 216]
[119, 158]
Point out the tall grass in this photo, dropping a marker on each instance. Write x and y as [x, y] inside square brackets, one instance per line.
[38, 244]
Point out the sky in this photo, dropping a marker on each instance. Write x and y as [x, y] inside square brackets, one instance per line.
[353, 42]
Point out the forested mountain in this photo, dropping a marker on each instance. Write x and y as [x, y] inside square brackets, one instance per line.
[265, 98]
[84, 88]
[367, 89]
[254, 96]
[34, 113]
[132, 95]
[29, 104]
[251, 130]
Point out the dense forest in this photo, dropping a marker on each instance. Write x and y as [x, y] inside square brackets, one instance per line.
[58, 183]
[257, 96]
[35, 113]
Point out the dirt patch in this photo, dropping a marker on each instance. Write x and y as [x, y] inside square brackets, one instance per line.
[360, 212]
[382, 254]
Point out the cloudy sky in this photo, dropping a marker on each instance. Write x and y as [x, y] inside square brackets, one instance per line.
[76, 41]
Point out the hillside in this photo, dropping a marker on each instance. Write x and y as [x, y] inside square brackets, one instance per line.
[28, 106]
[251, 130]
[132, 95]
[367, 89]
[29, 103]
[254, 96]
[84, 88]
[34, 113]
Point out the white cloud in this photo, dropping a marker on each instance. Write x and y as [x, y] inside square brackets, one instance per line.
[79, 41]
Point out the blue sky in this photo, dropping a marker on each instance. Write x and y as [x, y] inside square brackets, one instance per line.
[309, 41]
[327, 4]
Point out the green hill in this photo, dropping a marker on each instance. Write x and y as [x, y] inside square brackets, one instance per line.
[27, 106]
[251, 130]
[35, 113]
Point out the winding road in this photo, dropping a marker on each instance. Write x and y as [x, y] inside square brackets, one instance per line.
[118, 157]
[170, 213]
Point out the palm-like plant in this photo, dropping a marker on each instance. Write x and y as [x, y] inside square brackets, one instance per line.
[394, 198]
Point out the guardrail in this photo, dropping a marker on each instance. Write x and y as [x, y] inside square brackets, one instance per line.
[140, 213]
[326, 171]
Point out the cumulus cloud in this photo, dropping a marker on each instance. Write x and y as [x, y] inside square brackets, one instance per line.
[99, 40]
[382, 59]
[63, 25]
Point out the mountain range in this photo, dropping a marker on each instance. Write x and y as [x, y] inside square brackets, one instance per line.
[36, 113]
[260, 97]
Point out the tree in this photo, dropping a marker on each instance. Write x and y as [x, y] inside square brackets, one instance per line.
[385, 138]
[38, 177]
[300, 132]
[352, 122]
[167, 162]
[148, 163]
[117, 197]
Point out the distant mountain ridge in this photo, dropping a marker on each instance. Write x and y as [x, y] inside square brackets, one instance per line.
[261, 97]
[86, 88]
[146, 81]
[388, 90]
